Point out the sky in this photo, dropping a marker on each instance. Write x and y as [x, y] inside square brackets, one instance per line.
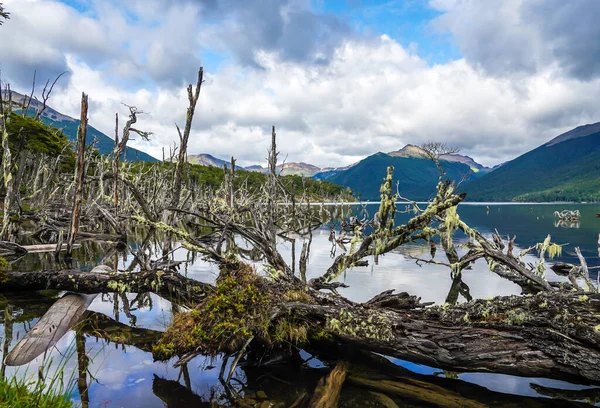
[340, 79]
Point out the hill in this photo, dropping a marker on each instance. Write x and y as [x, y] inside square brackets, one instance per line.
[69, 126]
[567, 168]
[418, 176]
[286, 169]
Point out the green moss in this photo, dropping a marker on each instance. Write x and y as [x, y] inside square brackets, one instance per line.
[320, 335]
[239, 309]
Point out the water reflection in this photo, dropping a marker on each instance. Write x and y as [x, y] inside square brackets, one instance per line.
[112, 358]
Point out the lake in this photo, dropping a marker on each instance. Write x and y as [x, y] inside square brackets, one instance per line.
[126, 376]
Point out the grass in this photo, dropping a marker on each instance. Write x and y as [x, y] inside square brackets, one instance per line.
[49, 387]
[17, 393]
[45, 390]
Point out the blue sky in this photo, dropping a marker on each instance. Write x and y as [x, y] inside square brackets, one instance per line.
[340, 79]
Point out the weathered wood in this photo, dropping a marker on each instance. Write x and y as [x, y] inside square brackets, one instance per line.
[79, 175]
[62, 315]
[193, 95]
[554, 335]
[104, 327]
[10, 248]
[39, 248]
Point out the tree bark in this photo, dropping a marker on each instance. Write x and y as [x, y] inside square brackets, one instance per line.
[193, 95]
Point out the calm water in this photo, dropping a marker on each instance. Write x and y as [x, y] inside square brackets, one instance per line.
[126, 376]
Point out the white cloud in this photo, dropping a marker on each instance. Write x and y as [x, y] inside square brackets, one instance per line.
[372, 95]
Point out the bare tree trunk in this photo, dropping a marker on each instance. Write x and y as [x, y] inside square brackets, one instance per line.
[272, 202]
[6, 167]
[80, 173]
[116, 168]
[231, 186]
[193, 95]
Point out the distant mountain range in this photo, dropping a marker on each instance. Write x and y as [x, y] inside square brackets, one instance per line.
[567, 168]
[69, 125]
[417, 176]
[299, 169]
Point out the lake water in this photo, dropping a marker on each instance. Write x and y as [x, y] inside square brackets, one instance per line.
[126, 376]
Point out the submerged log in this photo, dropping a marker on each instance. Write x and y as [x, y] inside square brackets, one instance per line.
[101, 326]
[62, 315]
[328, 390]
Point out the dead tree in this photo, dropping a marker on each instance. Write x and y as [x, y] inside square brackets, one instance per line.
[79, 175]
[193, 95]
[7, 175]
[121, 145]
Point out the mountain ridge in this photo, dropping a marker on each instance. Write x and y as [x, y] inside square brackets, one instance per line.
[567, 168]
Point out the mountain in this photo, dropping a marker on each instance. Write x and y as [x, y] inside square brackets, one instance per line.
[567, 168]
[205, 159]
[415, 151]
[418, 176]
[287, 169]
[69, 125]
[292, 168]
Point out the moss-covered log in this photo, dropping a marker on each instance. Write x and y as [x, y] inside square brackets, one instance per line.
[553, 335]
[169, 285]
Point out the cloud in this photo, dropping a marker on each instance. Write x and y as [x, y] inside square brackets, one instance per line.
[366, 94]
[526, 37]
[289, 28]
[373, 96]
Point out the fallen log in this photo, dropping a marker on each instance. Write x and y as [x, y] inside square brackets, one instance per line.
[10, 248]
[33, 249]
[551, 334]
[169, 285]
[101, 326]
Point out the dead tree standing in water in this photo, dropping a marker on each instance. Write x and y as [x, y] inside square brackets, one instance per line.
[79, 174]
